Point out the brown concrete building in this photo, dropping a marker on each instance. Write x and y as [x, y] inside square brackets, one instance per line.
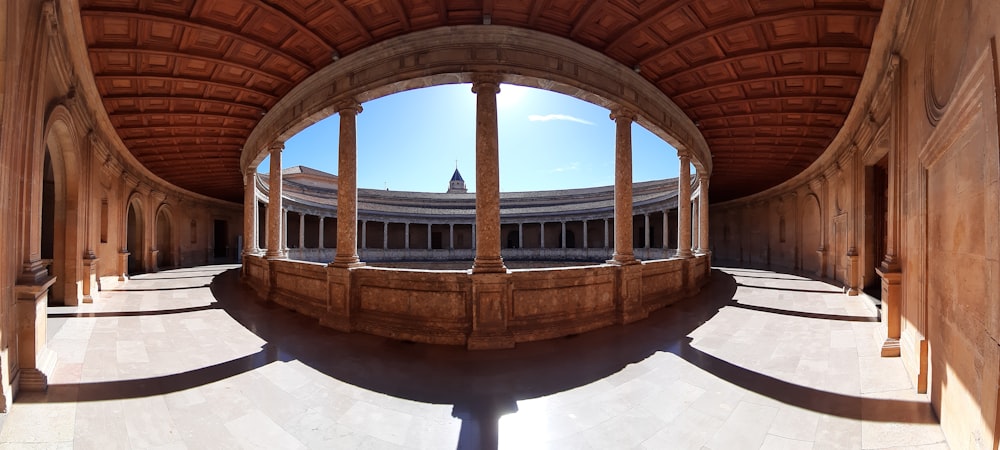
[852, 140]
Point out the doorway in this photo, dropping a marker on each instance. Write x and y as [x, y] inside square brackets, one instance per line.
[221, 242]
[876, 220]
[133, 239]
[164, 240]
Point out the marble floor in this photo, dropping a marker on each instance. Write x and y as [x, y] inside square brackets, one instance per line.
[187, 359]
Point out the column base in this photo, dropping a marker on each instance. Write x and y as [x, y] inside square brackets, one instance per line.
[346, 262]
[91, 282]
[35, 360]
[123, 265]
[36, 379]
[480, 265]
[618, 259]
[890, 348]
[276, 255]
[685, 254]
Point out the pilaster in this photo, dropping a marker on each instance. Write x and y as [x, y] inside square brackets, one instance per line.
[892, 289]
[338, 314]
[91, 282]
[35, 360]
[629, 300]
[491, 305]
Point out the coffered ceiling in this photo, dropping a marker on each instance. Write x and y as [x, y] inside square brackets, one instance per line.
[768, 82]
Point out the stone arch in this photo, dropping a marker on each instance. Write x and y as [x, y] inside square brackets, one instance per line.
[61, 150]
[165, 237]
[451, 55]
[134, 226]
[811, 233]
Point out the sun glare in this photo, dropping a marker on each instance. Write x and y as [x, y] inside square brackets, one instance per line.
[510, 96]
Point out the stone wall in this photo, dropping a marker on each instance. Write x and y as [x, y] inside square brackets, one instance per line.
[50, 112]
[449, 306]
[927, 116]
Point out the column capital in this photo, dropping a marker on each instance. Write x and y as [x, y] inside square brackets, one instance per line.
[130, 180]
[816, 184]
[623, 112]
[486, 80]
[683, 153]
[350, 106]
[276, 146]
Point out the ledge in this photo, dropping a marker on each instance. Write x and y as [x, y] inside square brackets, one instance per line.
[456, 307]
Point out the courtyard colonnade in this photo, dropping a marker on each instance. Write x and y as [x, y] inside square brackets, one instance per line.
[489, 277]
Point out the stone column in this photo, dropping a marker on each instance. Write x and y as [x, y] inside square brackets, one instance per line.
[605, 233]
[284, 226]
[520, 235]
[429, 237]
[385, 235]
[487, 240]
[302, 230]
[541, 232]
[890, 270]
[646, 230]
[364, 234]
[322, 232]
[585, 234]
[563, 243]
[703, 244]
[684, 206]
[624, 253]
[249, 213]
[347, 188]
[666, 229]
[274, 209]
[451, 236]
[406, 235]
[91, 283]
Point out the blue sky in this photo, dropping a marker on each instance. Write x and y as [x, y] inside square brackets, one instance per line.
[410, 141]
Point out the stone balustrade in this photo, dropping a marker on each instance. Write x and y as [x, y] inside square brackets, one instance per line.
[452, 307]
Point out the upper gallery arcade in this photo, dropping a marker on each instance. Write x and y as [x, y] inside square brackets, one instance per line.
[855, 140]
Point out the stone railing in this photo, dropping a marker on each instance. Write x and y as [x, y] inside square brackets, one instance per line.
[475, 310]
[325, 255]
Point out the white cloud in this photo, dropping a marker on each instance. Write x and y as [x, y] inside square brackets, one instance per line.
[573, 166]
[549, 117]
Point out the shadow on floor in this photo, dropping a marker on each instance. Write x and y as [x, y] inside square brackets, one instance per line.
[484, 385]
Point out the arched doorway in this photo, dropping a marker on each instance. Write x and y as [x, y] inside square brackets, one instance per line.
[48, 211]
[62, 244]
[134, 238]
[164, 240]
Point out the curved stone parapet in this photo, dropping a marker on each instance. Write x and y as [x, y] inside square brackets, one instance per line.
[479, 311]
